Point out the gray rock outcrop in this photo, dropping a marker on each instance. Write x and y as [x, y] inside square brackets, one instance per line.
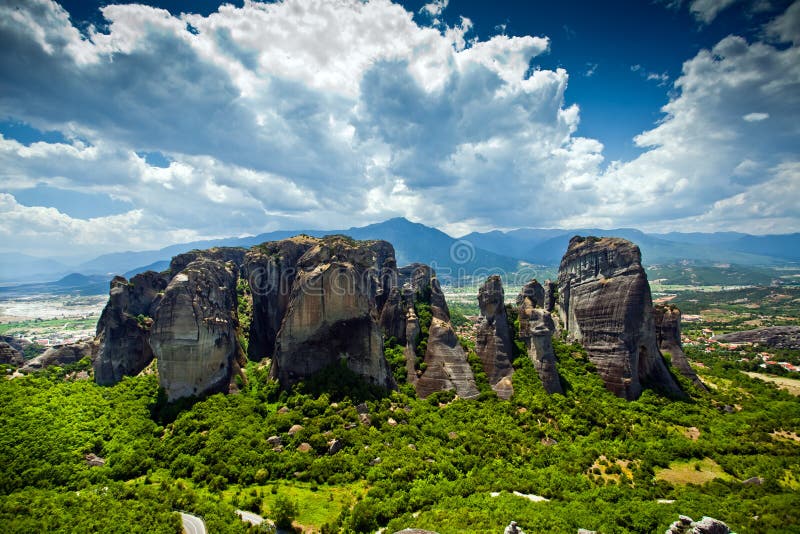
[707, 525]
[194, 330]
[124, 327]
[9, 355]
[493, 337]
[332, 314]
[536, 330]
[270, 269]
[534, 292]
[61, 355]
[667, 319]
[605, 304]
[776, 337]
[446, 365]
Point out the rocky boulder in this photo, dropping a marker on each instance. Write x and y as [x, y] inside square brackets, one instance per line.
[9, 355]
[534, 292]
[61, 355]
[234, 255]
[707, 525]
[536, 330]
[124, 326]
[332, 313]
[605, 304]
[668, 333]
[194, 330]
[493, 337]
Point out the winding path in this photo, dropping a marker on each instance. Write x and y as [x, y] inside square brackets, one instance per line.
[193, 524]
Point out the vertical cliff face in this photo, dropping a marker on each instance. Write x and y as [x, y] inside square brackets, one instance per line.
[446, 365]
[536, 330]
[668, 333]
[605, 303]
[124, 327]
[493, 338]
[194, 330]
[270, 270]
[332, 313]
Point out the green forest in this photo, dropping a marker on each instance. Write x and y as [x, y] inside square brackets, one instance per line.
[442, 464]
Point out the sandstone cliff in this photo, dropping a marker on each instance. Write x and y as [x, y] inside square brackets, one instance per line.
[605, 303]
[194, 330]
[776, 337]
[10, 355]
[668, 332]
[62, 355]
[493, 337]
[536, 330]
[332, 312]
[270, 269]
[124, 327]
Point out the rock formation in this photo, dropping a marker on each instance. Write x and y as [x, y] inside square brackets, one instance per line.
[332, 314]
[315, 302]
[270, 269]
[446, 365]
[605, 303]
[776, 337]
[534, 292]
[550, 295]
[61, 355]
[668, 333]
[493, 339]
[9, 355]
[124, 326]
[707, 525]
[194, 330]
[536, 330]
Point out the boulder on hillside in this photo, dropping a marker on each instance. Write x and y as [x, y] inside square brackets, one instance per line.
[9, 355]
[61, 355]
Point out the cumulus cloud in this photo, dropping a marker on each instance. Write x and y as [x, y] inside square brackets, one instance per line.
[301, 114]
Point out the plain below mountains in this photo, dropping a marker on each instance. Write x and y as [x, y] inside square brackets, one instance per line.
[485, 253]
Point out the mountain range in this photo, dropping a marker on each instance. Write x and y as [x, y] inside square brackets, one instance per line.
[494, 251]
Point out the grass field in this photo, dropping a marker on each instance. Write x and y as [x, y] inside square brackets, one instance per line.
[792, 385]
[692, 472]
[316, 504]
[50, 325]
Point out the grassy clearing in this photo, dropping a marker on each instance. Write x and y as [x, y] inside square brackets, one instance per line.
[692, 472]
[316, 504]
[55, 325]
[792, 385]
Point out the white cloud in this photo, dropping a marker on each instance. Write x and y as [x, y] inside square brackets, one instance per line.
[786, 27]
[305, 114]
[755, 117]
[707, 10]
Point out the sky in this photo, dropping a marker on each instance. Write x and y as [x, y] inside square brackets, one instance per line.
[133, 126]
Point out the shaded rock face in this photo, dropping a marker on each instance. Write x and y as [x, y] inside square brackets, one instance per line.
[270, 270]
[332, 313]
[536, 330]
[446, 365]
[493, 338]
[194, 330]
[124, 349]
[605, 303]
[9, 355]
[668, 332]
[534, 292]
[235, 255]
[61, 355]
[550, 295]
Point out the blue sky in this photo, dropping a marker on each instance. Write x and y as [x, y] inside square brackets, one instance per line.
[136, 126]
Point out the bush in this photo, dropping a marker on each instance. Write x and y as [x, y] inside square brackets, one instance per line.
[284, 510]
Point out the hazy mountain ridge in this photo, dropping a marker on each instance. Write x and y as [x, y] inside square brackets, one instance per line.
[415, 242]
